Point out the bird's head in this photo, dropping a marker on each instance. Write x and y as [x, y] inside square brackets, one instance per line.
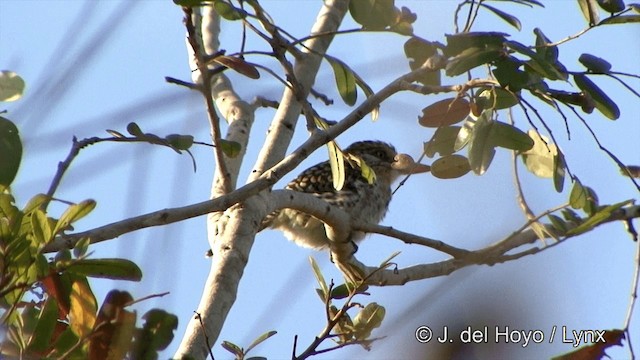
[384, 159]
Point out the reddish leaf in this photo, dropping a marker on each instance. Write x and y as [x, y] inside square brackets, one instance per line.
[444, 112]
[238, 65]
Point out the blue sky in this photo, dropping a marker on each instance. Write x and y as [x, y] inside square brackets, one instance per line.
[91, 66]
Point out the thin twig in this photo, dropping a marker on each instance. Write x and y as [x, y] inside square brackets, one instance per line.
[214, 120]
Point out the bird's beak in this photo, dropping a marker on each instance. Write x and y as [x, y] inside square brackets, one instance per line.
[405, 164]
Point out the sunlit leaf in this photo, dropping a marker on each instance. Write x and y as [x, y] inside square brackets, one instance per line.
[114, 133]
[597, 218]
[84, 306]
[233, 348]
[260, 339]
[450, 167]
[540, 158]
[604, 104]
[74, 213]
[345, 80]
[481, 146]
[319, 278]
[444, 112]
[589, 9]
[464, 134]
[368, 319]
[595, 64]
[11, 86]
[578, 196]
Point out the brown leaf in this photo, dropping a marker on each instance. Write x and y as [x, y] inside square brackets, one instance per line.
[444, 112]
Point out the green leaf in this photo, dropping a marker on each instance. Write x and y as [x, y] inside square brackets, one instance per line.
[35, 202]
[180, 142]
[464, 134]
[228, 11]
[442, 142]
[156, 334]
[230, 148]
[604, 104]
[190, 3]
[540, 158]
[116, 269]
[134, 129]
[11, 86]
[373, 14]
[450, 167]
[559, 169]
[233, 348]
[481, 148]
[597, 218]
[612, 6]
[458, 43]
[549, 53]
[510, 137]
[41, 229]
[538, 63]
[418, 50]
[260, 339]
[81, 247]
[510, 19]
[10, 152]
[558, 223]
[496, 98]
[471, 58]
[319, 278]
[239, 65]
[74, 213]
[47, 319]
[589, 9]
[345, 80]
[578, 196]
[595, 64]
[622, 19]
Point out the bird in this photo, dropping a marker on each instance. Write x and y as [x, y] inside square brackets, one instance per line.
[362, 200]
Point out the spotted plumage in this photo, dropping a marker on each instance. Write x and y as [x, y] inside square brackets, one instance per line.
[361, 200]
